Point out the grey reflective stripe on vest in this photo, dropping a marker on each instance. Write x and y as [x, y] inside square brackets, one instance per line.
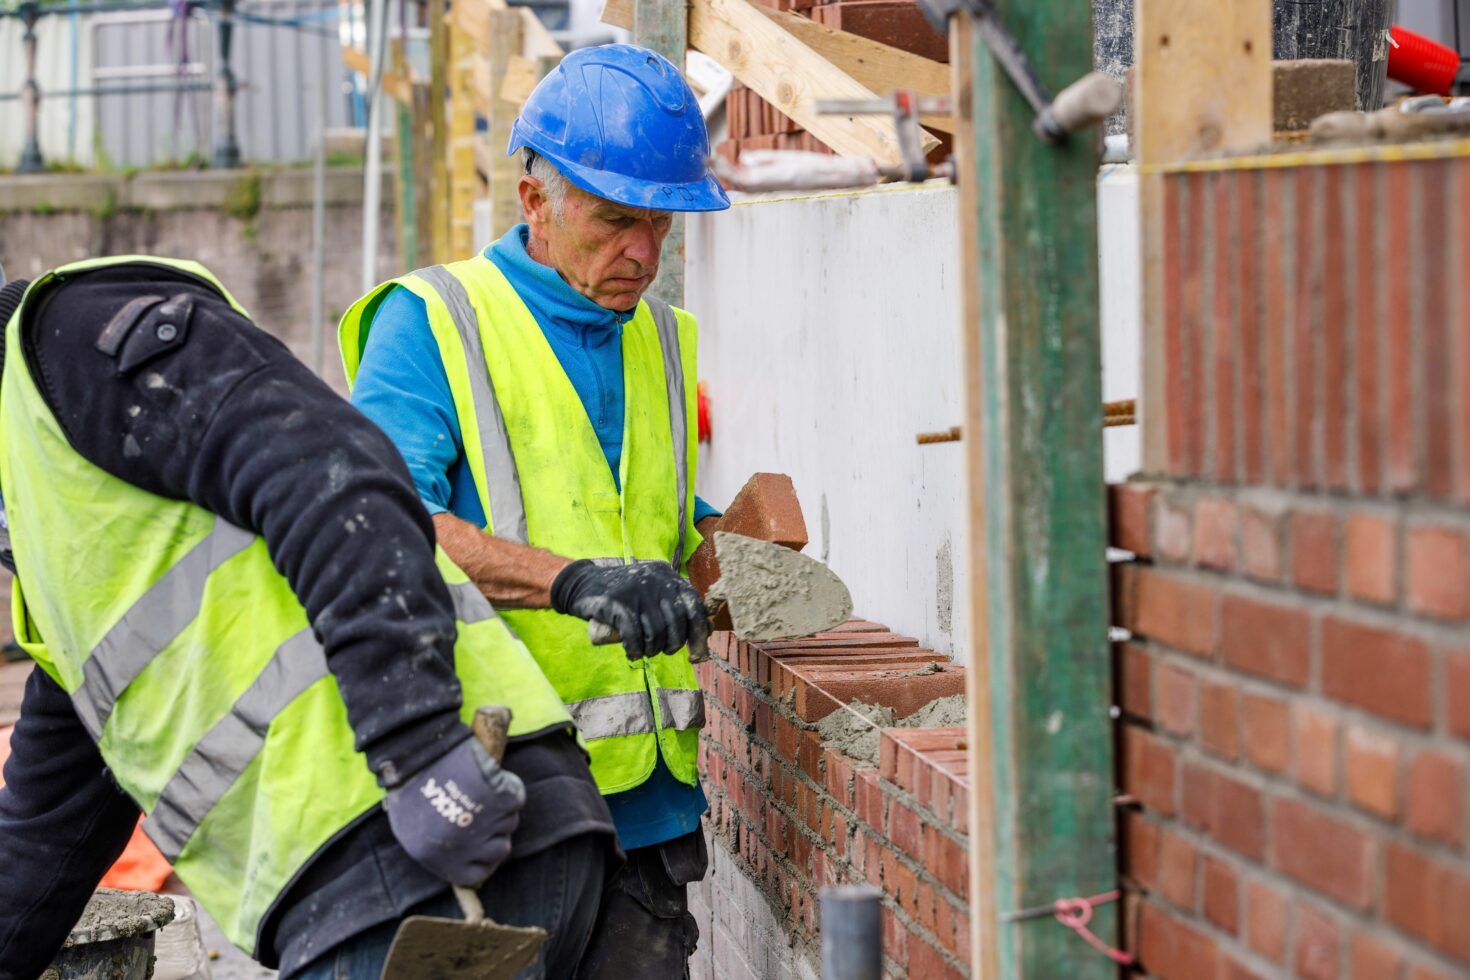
[613, 715]
[681, 709]
[227, 749]
[502, 479]
[668, 341]
[159, 615]
[470, 604]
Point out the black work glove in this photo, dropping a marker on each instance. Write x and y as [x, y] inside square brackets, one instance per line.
[455, 816]
[654, 609]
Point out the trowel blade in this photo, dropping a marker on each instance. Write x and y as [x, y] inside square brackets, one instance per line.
[773, 592]
[431, 948]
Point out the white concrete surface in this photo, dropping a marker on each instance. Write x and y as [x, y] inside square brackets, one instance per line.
[830, 339]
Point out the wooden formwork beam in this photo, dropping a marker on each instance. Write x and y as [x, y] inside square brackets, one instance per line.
[1041, 814]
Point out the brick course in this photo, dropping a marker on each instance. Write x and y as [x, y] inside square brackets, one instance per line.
[1295, 691]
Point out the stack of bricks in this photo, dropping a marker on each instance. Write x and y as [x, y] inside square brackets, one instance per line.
[1296, 691]
[755, 124]
[788, 817]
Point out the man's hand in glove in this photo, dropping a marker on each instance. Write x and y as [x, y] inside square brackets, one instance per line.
[654, 609]
[455, 816]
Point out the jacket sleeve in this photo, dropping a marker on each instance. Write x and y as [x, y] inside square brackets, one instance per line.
[190, 400]
[63, 822]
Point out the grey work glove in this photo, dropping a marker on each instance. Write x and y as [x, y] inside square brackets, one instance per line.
[654, 609]
[455, 816]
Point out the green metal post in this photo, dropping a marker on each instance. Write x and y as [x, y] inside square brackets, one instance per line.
[663, 25]
[1029, 212]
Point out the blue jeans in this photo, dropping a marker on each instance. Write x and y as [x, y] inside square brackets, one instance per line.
[559, 889]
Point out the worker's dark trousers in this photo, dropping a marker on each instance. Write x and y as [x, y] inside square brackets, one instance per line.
[558, 889]
[645, 931]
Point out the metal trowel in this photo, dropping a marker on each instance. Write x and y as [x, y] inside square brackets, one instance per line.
[475, 947]
[772, 593]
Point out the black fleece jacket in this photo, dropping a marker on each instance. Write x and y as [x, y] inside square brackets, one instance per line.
[180, 395]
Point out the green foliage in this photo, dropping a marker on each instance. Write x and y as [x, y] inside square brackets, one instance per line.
[244, 197]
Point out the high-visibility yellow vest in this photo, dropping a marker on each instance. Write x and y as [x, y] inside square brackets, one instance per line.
[543, 480]
[191, 662]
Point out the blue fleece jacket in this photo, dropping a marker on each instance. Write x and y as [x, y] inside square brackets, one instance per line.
[401, 385]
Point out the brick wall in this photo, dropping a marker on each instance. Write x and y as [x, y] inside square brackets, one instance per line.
[1296, 692]
[789, 817]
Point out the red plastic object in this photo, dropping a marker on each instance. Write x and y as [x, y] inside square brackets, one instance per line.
[1424, 65]
[705, 428]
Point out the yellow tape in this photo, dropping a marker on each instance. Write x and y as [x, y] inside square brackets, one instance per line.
[1327, 156]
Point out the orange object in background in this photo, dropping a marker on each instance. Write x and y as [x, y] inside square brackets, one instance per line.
[140, 869]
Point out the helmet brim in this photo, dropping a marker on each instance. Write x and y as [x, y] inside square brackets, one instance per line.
[704, 194]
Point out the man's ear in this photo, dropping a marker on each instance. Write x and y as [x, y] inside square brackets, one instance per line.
[535, 205]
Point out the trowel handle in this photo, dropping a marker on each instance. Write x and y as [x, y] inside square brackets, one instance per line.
[492, 730]
[602, 635]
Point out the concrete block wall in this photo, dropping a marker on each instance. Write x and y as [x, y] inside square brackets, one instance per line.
[1296, 691]
[788, 816]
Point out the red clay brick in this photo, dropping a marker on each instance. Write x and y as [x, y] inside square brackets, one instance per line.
[1159, 606]
[1377, 669]
[1265, 730]
[1129, 505]
[1197, 796]
[1176, 699]
[1437, 572]
[905, 830]
[1371, 764]
[1397, 356]
[1419, 971]
[1436, 388]
[1247, 286]
[1374, 959]
[900, 25]
[1222, 321]
[869, 798]
[1219, 718]
[1214, 531]
[766, 508]
[1266, 639]
[1315, 735]
[1134, 685]
[1434, 797]
[1260, 544]
[1278, 332]
[1177, 859]
[1171, 950]
[839, 775]
[1369, 546]
[1307, 325]
[1427, 898]
[1265, 916]
[1457, 691]
[924, 960]
[1148, 769]
[1140, 859]
[1318, 944]
[1239, 818]
[1322, 852]
[1314, 551]
[1173, 537]
[1222, 895]
[1336, 283]
[1366, 321]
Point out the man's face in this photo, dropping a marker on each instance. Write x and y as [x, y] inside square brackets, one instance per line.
[607, 252]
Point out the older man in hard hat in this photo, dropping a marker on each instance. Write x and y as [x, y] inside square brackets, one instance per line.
[547, 411]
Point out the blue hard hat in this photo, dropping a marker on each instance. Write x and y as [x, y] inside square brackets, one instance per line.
[620, 122]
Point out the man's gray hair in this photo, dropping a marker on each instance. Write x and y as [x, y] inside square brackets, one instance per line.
[553, 182]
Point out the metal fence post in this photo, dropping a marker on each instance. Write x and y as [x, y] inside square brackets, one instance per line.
[30, 93]
[852, 933]
[226, 147]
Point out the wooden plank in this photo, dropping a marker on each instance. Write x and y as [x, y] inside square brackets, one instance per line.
[980, 750]
[1036, 488]
[473, 17]
[1202, 81]
[880, 67]
[504, 172]
[521, 77]
[396, 86]
[484, 84]
[663, 25]
[791, 76]
[438, 244]
[1202, 86]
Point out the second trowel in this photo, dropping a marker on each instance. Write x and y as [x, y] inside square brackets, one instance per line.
[771, 591]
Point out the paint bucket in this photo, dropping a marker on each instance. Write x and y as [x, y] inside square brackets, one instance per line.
[114, 938]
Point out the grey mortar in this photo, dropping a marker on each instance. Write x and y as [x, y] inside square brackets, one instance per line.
[845, 731]
[750, 579]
